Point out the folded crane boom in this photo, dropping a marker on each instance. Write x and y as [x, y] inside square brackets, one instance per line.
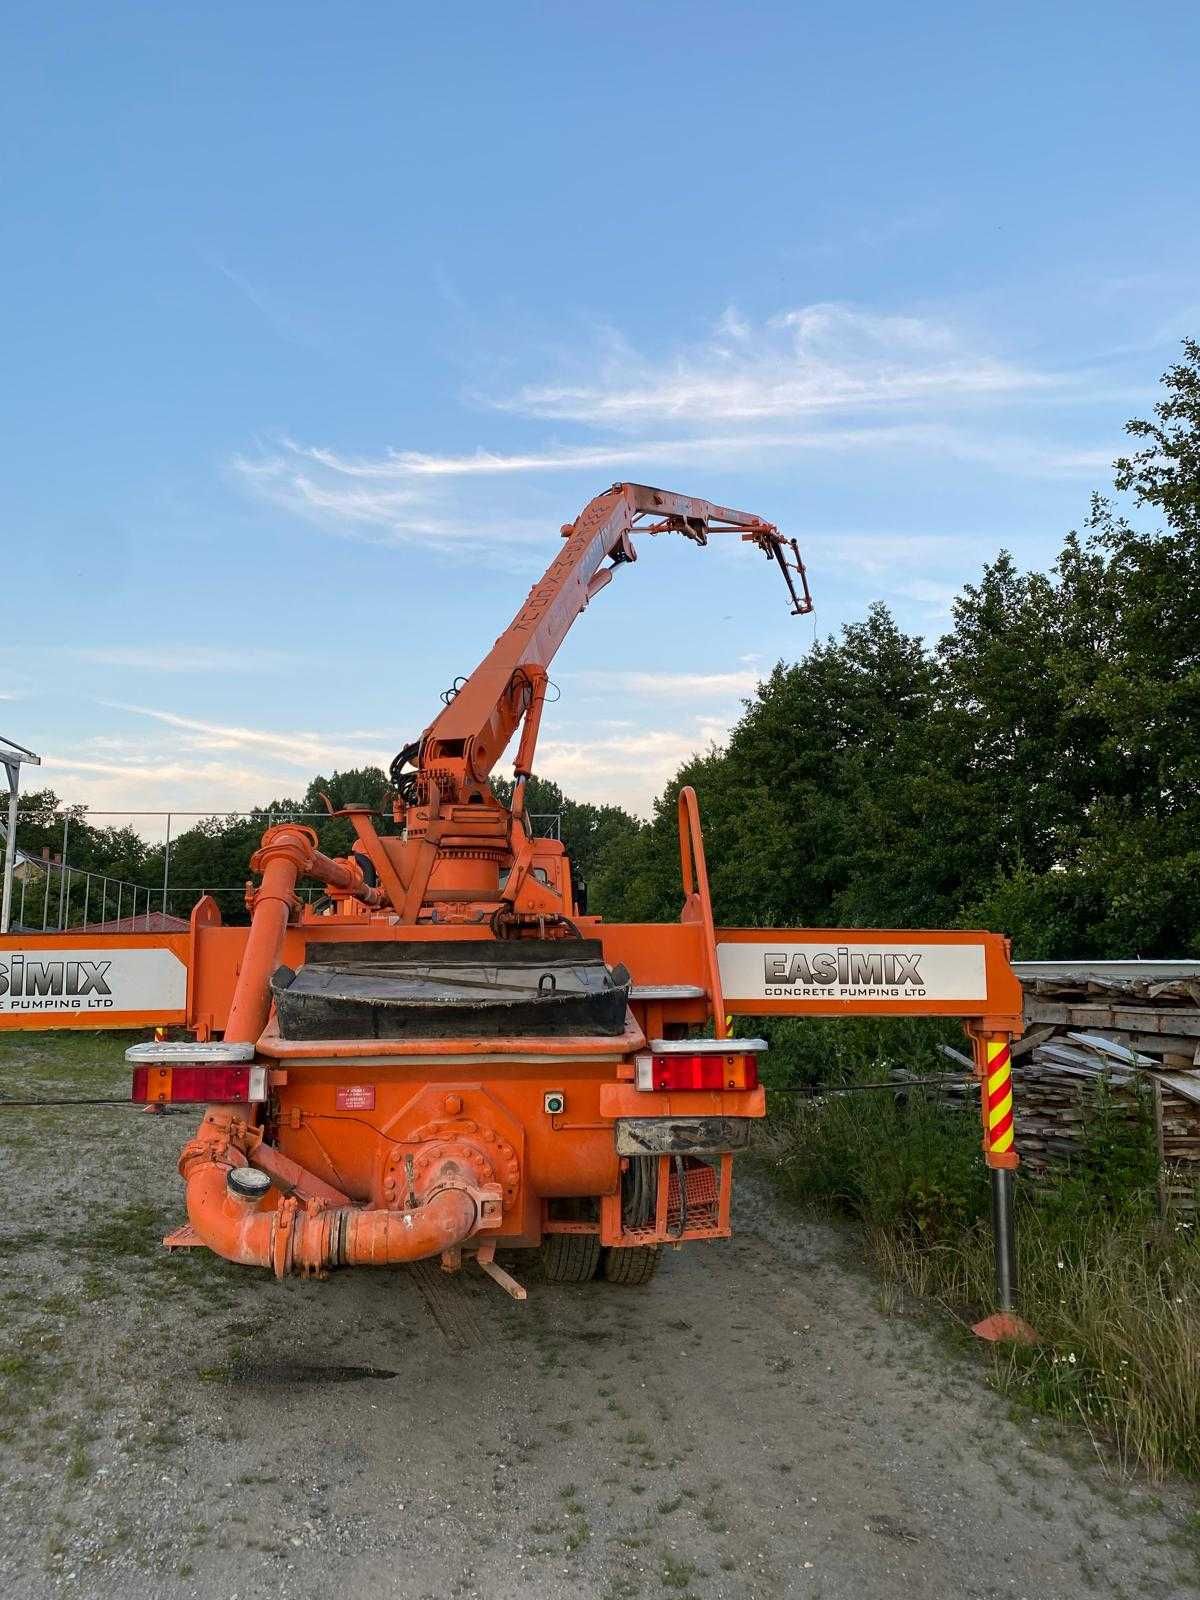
[461, 746]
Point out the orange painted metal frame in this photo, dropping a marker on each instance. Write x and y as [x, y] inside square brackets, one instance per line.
[383, 1150]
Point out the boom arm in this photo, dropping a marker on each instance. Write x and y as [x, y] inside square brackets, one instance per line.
[462, 745]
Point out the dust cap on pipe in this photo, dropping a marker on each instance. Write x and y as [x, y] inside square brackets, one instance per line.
[248, 1183]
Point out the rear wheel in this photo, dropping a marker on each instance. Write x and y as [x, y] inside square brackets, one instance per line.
[631, 1265]
[570, 1257]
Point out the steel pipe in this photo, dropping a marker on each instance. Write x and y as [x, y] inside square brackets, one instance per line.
[288, 1238]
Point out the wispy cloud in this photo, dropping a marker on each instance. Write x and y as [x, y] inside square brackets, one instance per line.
[406, 468]
[302, 749]
[355, 502]
[187, 658]
[626, 768]
[671, 685]
[406, 465]
[210, 780]
[186, 764]
[815, 359]
[406, 497]
[819, 380]
[132, 787]
[875, 555]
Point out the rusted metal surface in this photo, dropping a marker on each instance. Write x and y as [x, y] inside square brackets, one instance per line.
[641, 1136]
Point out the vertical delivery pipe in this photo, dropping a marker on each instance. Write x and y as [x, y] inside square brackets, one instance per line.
[282, 856]
[286, 852]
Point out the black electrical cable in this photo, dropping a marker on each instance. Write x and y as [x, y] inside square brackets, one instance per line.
[453, 691]
[404, 782]
[114, 1101]
[815, 1091]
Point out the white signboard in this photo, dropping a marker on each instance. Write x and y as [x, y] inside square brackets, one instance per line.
[90, 981]
[781, 969]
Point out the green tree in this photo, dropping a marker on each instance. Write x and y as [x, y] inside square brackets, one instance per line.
[1037, 771]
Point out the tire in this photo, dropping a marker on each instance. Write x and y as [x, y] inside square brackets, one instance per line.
[631, 1265]
[570, 1257]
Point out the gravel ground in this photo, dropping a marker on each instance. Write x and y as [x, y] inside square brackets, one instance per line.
[751, 1424]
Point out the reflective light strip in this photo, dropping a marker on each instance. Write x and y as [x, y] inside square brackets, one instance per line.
[999, 1108]
[729, 1070]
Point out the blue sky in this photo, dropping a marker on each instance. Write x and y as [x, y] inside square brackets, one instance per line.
[319, 320]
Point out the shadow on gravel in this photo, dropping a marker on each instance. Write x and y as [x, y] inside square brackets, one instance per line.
[256, 1374]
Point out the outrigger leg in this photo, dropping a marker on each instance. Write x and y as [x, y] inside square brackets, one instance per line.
[993, 1067]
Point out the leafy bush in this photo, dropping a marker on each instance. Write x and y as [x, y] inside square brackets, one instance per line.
[841, 1050]
[907, 1165]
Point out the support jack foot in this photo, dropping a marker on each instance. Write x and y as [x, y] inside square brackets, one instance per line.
[1002, 1325]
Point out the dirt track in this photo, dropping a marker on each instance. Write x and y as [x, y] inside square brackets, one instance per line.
[752, 1424]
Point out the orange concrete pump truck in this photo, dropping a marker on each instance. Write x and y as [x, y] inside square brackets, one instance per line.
[452, 1055]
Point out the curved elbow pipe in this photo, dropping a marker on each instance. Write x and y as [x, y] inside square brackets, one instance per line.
[289, 1238]
[237, 1229]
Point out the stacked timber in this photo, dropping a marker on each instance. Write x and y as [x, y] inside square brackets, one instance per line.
[1089, 1034]
[1135, 1036]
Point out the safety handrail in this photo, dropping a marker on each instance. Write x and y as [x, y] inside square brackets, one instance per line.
[697, 900]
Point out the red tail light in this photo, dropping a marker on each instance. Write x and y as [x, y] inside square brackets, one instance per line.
[208, 1085]
[735, 1069]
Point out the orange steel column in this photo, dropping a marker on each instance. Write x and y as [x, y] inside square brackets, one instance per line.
[285, 852]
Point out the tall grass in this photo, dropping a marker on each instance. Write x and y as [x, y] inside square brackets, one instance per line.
[1112, 1287]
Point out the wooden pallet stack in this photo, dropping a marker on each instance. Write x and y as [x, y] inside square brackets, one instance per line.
[1052, 1097]
[1135, 1035]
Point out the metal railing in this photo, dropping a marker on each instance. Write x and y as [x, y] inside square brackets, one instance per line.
[52, 895]
[49, 898]
[55, 895]
[47, 904]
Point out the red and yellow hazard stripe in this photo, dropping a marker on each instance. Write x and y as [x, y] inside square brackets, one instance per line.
[998, 1098]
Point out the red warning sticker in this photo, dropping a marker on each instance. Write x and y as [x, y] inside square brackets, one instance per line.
[356, 1097]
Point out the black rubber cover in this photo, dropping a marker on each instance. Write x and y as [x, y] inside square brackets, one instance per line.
[447, 990]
